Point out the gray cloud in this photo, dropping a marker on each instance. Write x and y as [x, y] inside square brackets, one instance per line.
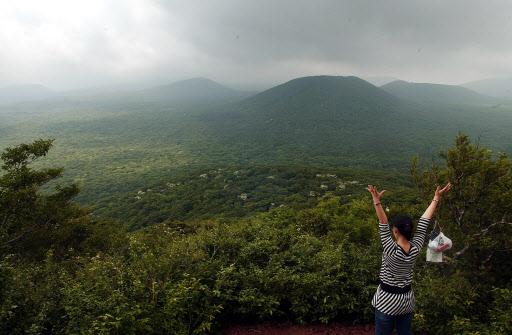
[253, 42]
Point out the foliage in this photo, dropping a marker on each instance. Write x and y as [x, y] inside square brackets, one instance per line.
[501, 312]
[478, 213]
[112, 146]
[29, 220]
[232, 192]
[318, 263]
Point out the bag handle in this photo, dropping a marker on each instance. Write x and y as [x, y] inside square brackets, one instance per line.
[437, 229]
[438, 225]
[437, 217]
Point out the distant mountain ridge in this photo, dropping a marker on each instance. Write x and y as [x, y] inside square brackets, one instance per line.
[426, 93]
[321, 121]
[203, 91]
[189, 91]
[200, 90]
[495, 87]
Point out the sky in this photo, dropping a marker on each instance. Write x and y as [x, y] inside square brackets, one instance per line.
[74, 44]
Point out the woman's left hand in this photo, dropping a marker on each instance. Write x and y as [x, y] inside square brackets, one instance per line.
[375, 193]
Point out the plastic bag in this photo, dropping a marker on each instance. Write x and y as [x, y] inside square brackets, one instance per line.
[440, 243]
[436, 246]
[434, 257]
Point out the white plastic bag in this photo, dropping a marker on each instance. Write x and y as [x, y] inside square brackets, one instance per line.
[434, 257]
[440, 243]
[436, 247]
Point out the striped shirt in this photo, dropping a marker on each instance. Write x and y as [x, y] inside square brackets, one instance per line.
[397, 270]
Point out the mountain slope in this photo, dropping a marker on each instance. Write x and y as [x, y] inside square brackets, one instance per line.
[426, 93]
[325, 119]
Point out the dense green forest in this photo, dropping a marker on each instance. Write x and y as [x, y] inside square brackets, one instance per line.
[115, 145]
[182, 208]
[64, 270]
[236, 192]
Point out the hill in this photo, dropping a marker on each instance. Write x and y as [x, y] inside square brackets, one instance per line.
[495, 87]
[322, 119]
[426, 93]
[195, 90]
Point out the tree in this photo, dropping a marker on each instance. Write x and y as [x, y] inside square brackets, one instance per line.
[29, 218]
[477, 214]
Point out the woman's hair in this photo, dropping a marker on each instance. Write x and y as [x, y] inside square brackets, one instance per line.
[404, 225]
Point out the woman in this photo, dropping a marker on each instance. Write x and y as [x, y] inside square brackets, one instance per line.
[394, 298]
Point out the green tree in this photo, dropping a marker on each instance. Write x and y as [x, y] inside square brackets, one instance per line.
[477, 216]
[30, 218]
[478, 212]
[44, 238]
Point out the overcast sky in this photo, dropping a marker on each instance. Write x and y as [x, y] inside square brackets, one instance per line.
[69, 44]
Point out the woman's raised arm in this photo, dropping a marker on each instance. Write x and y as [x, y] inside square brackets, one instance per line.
[376, 202]
[429, 212]
[421, 229]
[384, 232]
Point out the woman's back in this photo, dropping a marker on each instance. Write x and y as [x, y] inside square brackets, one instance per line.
[394, 298]
[397, 270]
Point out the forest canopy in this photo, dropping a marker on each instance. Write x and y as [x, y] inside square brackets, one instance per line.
[63, 270]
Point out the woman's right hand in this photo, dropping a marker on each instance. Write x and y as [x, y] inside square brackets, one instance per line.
[375, 194]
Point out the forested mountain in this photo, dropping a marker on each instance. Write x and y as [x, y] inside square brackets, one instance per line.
[496, 87]
[330, 120]
[426, 93]
[116, 145]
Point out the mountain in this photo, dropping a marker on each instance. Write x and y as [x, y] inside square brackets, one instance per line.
[21, 93]
[320, 121]
[318, 95]
[426, 93]
[195, 90]
[495, 87]
[325, 120]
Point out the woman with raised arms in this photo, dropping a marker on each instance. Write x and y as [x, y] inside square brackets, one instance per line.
[394, 298]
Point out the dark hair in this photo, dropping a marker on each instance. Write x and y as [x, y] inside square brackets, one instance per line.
[404, 225]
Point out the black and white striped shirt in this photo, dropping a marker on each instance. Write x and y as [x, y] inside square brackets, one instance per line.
[397, 270]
